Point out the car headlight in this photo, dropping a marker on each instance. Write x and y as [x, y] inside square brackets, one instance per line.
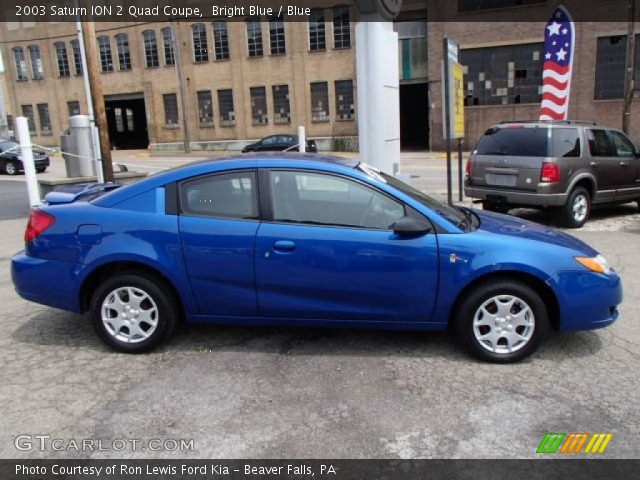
[595, 264]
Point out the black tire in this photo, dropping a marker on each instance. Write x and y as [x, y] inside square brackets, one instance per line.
[570, 218]
[11, 168]
[167, 311]
[496, 207]
[40, 170]
[485, 292]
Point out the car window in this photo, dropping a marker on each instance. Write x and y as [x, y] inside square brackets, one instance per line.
[624, 147]
[518, 141]
[600, 144]
[269, 140]
[283, 139]
[565, 142]
[323, 199]
[230, 195]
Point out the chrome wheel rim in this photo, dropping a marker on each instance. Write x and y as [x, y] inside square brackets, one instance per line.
[580, 207]
[129, 314]
[503, 324]
[10, 168]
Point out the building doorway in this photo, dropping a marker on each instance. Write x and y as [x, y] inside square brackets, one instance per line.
[414, 116]
[127, 121]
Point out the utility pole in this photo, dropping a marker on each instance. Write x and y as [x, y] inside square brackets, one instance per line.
[177, 53]
[630, 66]
[91, 53]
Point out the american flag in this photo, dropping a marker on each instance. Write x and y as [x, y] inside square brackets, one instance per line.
[559, 37]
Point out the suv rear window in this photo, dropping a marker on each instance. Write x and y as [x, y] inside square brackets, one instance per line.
[518, 141]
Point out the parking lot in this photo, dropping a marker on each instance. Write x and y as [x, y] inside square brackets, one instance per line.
[311, 393]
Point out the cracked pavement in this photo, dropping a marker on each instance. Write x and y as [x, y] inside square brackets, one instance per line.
[304, 393]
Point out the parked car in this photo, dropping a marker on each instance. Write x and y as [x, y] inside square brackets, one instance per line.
[279, 143]
[285, 239]
[11, 159]
[567, 165]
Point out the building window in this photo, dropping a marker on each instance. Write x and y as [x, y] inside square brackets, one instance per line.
[258, 106]
[167, 43]
[475, 5]
[221, 40]
[170, 101]
[281, 108]
[106, 59]
[276, 36]
[503, 75]
[10, 125]
[341, 28]
[611, 55]
[254, 38]
[413, 51]
[77, 56]
[62, 59]
[27, 111]
[225, 107]
[37, 71]
[345, 107]
[200, 46]
[317, 33]
[74, 107]
[21, 66]
[205, 108]
[124, 52]
[319, 102]
[45, 119]
[150, 49]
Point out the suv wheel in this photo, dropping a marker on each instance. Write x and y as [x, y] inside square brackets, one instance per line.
[495, 207]
[502, 321]
[576, 211]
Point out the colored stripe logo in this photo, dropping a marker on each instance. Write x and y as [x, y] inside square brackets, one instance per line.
[577, 442]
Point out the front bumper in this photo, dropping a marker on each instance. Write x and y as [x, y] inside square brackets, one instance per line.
[49, 282]
[587, 300]
[515, 197]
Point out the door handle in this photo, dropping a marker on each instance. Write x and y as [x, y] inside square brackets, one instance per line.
[624, 164]
[594, 164]
[284, 246]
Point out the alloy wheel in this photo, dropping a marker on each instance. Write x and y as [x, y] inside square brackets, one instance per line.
[129, 314]
[503, 324]
[580, 207]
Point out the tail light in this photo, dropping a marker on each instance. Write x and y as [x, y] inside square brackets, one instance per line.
[549, 173]
[467, 170]
[39, 221]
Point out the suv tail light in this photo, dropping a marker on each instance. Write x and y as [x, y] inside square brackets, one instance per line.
[39, 221]
[549, 173]
[467, 169]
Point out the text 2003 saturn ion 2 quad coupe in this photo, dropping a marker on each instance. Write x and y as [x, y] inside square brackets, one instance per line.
[278, 239]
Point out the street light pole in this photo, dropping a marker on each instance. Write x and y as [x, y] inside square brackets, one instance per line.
[630, 66]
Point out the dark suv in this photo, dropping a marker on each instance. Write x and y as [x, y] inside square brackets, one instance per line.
[568, 165]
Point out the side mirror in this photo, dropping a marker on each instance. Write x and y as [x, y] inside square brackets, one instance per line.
[411, 226]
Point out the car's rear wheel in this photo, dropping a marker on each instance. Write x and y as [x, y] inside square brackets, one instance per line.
[495, 207]
[576, 211]
[502, 321]
[11, 167]
[133, 313]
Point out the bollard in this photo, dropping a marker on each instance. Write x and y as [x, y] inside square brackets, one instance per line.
[302, 140]
[26, 155]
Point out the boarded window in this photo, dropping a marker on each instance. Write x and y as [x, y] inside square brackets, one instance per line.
[281, 108]
[225, 107]
[345, 108]
[258, 105]
[170, 101]
[319, 102]
[205, 108]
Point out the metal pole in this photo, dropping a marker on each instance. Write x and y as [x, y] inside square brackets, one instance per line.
[302, 139]
[447, 117]
[460, 189]
[178, 58]
[24, 137]
[630, 66]
[95, 142]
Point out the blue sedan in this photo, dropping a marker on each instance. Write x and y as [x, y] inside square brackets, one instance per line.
[300, 240]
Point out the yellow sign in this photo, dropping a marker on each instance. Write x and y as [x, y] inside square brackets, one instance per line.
[457, 110]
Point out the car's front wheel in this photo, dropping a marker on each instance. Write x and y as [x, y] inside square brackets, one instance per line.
[11, 167]
[576, 211]
[133, 313]
[502, 321]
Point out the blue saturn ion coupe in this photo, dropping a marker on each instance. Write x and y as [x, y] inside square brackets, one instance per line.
[303, 240]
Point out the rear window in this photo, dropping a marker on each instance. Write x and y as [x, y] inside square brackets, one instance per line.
[514, 141]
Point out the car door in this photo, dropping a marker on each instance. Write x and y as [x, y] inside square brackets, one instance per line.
[328, 253]
[269, 144]
[628, 166]
[218, 219]
[604, 163]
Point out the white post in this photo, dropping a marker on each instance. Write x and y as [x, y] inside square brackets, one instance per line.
[302, 139]
[26, 153]
[95, 139]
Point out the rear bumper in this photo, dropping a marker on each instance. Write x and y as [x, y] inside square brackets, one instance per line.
[517, 197]
[48, 282]
[587, 300]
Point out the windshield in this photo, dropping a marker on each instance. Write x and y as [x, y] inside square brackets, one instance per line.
[6, 145]
[452, 214]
